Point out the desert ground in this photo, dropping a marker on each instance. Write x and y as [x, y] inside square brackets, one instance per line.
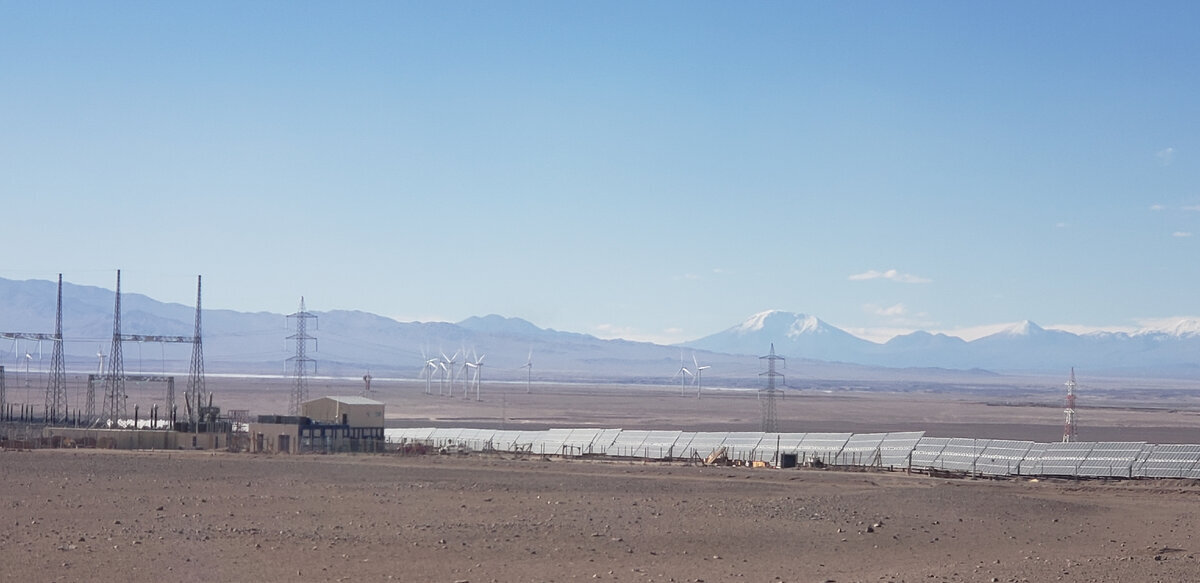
[75, 515]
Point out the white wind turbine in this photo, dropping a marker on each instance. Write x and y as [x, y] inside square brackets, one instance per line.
[100, 357]
[447, 366]
[682, 374]
[477, 366]
[528, 366]
[699, 373]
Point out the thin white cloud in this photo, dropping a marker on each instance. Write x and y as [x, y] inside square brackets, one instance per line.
[612, 331]
[1192, 207]
[890, 274]
[1165, 156]
[1157, 207]
[893, 311]
[1061, 225]
[1181, 234]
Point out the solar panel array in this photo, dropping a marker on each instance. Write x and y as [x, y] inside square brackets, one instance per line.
[903, 450]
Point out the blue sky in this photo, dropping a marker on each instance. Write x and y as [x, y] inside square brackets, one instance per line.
[656, 172]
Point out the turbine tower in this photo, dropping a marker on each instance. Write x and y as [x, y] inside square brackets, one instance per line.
[1069, 429]
[770, 424]
[301, 361]
[56, 389]
[682, 374]
[528, 366]
[699, 373]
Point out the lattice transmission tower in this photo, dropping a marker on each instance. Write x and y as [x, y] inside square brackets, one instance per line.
[113, 407]
[195, 393]
[1070, 432]
[56, 388]
[300, 362]
[770, 423]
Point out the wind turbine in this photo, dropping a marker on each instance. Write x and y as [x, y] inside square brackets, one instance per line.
[528, 366]
[448, 367]
[682, 374]
[699, 373]
[478, 368]
[100, 357]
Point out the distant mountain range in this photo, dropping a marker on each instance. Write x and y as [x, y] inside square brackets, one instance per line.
[1024, 347]
[351, 343]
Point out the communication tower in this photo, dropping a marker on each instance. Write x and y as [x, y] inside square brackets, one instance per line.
[301, 361]
[770, 423]
[1069, 429]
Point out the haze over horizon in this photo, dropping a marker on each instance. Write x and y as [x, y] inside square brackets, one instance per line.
[655, 172]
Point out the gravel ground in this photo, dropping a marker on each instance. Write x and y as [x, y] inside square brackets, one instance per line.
[76, 515]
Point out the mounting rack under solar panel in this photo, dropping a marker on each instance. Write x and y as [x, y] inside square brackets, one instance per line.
[741, 445]
[579, 441]
[628, 443]
[505, 440]
[774, 445]
[862, 449]
[475, 439]
[1167, 461]
[407, 434]
[658, 445]
[822, 447]
[703, 444]
[1113, 459]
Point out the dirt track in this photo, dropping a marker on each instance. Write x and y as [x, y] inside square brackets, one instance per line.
[137, 516]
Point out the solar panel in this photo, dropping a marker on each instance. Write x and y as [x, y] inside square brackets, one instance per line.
[1167, 461]
[960, 454]
[774, 444]
[1111, 459]
[822, 447]
[926, 451]
[658, 445]
[604, 441]
[703, 444]
[1063, 459]
[1002, 457]
[407, 434]
[627, 444]
[505, 440]
[742, 445]
[896, 448]
[862, 449]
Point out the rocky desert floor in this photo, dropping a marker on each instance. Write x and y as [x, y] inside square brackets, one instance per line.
[85, 515]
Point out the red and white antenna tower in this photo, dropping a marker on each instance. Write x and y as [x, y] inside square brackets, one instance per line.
[1069, 431]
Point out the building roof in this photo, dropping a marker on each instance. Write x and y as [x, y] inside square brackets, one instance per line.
[350, 400]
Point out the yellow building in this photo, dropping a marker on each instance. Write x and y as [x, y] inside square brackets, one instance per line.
[354, 412]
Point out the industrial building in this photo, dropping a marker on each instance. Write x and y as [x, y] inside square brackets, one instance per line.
[326, 425]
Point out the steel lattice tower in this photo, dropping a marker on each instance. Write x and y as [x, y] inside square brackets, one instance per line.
[770, 423]
[1069, 429]
[114, 381]
[301, 361]
[56, 388]
[195, 388]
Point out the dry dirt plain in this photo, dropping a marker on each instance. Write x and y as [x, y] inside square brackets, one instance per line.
[77, 515]
[86, 515]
